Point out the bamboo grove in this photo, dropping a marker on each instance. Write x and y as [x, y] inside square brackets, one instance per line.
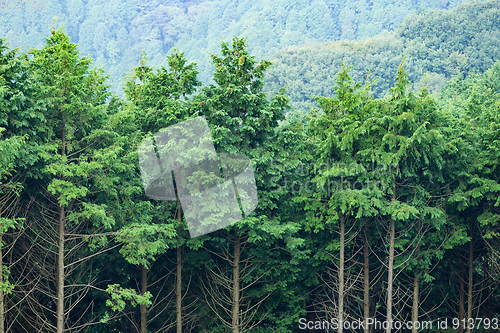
[384, 208]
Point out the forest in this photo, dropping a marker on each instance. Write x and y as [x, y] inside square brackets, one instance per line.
[377, 185]
[115, 32]
[438, 45]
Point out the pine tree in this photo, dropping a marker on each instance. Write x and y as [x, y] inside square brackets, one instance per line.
[341, 204]
[243, 121]
[21, 120]
[157, 99]
[75, 186]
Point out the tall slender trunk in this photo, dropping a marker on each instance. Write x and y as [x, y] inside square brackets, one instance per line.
[390, 275]
[366, 278]
[178, 304]
[414, 310]
[471, 274]
[391, 267]
[461, 305]
[144, 289]
[490, 283]
[236, 284]
[2, 317]
[60, 252]
[416, 281]
[341, 274]
[60, 272]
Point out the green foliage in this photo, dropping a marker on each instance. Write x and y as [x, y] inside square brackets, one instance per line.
[440, 44]
[20, 112]
[77, 127]
[369, 154]
[6, 224]
[120, 296]
[142, 243]
[236, 108]
[159, 98]
[116, 32]
[6, 286]
[340, 134]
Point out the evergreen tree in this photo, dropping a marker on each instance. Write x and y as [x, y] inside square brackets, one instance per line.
[157, 100]
[76, 185]
[243, 120]
[20, 121]
[341, 204]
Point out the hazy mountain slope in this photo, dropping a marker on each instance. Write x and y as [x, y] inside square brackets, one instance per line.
[440, 43]
[115, 32]
[112, 32]
[274, 25]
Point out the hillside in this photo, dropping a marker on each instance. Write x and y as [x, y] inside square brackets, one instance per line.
[440, 44]
[115, 32]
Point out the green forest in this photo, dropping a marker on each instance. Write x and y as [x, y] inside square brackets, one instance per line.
[114, 33]
[438, 45]
[376, 157]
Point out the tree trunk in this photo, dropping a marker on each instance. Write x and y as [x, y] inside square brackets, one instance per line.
[60, 272]
[414, 310]
[391, 267]
[490, 283]
[341, 274]
[366, 278]
[144, 287]
[461, 307]
[178, 305]
[471, 276]
[60, 253]
[416, 282]
[2, 316]
[236, 284]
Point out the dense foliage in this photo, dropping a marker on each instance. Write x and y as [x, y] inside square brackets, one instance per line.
[115, 33]
[438, 45]
[382, 202]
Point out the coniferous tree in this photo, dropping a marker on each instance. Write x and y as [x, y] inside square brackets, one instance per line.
[242, 120]
[157, 101]
[21, 120]
[75, 186]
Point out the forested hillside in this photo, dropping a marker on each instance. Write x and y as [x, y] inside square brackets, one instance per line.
[380, 205]
[114, 33]
[439, 44]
